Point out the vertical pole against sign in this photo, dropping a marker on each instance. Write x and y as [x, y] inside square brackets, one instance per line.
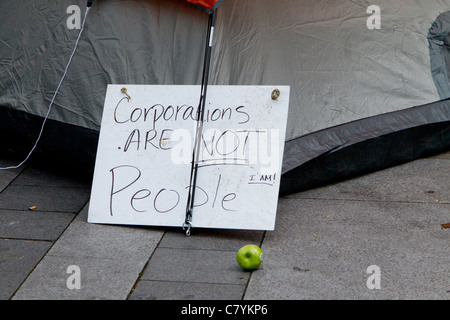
[200, 119]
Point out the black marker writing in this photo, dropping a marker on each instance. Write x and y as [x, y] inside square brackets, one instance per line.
[125, 112]
[126, 189]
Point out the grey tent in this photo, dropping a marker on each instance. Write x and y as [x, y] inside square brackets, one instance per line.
[370, 85]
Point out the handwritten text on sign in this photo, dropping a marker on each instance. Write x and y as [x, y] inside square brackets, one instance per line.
[145, 149]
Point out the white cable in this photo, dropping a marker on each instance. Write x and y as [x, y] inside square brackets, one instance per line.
[54, 96]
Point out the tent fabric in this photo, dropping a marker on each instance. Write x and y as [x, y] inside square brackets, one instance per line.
[338, 70]
[377, 153]
[343, 76]
[439, 41]
[301, 150]
[132, 42]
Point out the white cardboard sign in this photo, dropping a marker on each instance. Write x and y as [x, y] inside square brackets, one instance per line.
[144, 156]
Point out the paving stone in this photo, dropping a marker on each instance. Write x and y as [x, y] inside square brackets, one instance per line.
[404, 239]
[56, 199]
[390, 218]
[33, 225]
[167, 290]
[100, 279]
[7, 176]
[201, 266]
[9, 282]
[211, 239]
[39, 176]
[418, 181]
[86, 240]
[110, 259]
[17, 259]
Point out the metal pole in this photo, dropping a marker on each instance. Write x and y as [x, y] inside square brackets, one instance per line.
[200, 119]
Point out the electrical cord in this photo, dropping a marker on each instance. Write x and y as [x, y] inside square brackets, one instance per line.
[54, 95]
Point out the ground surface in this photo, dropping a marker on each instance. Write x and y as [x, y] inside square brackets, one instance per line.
[325, 241]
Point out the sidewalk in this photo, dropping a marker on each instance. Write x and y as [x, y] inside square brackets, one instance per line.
[325, 239]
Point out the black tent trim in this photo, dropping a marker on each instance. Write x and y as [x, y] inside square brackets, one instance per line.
[364, 146]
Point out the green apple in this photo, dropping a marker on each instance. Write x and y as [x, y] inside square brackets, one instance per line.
[249, 257]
